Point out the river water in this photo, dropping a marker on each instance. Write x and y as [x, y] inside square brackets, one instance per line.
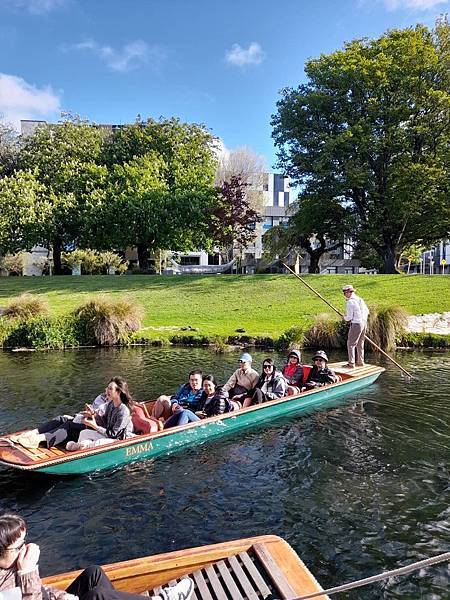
[355, 489]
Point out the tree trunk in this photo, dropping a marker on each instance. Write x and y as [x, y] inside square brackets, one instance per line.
[388, 256]
[57, 249]
[143, 256]
[314, 258]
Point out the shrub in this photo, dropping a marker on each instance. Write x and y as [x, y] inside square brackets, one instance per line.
[423, 340]
[111, 259]
[73, 259]
[385, 325]
[12, 263]
[327, 332]
[25, 306]
[106, 322]
[292, 338]
[40, 332]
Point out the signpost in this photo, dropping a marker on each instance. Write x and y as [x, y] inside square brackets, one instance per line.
[443, 263]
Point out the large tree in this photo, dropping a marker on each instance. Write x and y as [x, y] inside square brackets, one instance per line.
[372, 123]
[318, 224]
[162, 182]
[24, 210]
[64, 159]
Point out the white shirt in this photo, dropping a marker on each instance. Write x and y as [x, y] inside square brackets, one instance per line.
[357, 311]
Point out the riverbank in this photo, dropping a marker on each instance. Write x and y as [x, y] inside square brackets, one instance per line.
[227, 309]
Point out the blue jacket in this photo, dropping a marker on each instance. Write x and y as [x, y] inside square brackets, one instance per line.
[186, 398]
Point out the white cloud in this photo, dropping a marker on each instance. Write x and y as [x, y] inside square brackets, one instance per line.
[35, 7]
[130, 56]
[418, 5]
[21, 100]
[241, 57]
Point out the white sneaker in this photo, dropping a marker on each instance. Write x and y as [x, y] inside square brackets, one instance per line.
[72, 446]
[181, 591]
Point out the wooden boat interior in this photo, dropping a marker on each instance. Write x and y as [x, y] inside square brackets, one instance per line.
[253, 568]
[15, 454]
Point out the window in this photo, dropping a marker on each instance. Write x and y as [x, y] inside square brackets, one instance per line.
[189, 260]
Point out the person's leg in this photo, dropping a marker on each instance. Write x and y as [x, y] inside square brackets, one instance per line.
[89, 579]
[174, 420]
[162, 407]
[353, 335]
[187, 416]
[53, 424]
[94, 584]
[360, 348]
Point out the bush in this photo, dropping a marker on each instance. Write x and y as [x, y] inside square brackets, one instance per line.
[40, 332]
[25, 306]
[106, 322]
[327, 332]
[12, 263]
[385, 325]
[111, 259]
[292, 338]
[423, 340]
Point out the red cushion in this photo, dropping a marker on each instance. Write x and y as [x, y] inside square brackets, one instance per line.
[306, 370]
[141, 423]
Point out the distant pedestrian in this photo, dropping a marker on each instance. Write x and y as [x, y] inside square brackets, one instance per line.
[357, 314]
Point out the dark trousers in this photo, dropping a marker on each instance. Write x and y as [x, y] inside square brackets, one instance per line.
[257, 396]
[68, 431]
[93, 584]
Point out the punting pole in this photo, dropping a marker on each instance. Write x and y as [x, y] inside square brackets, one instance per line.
[341, 315]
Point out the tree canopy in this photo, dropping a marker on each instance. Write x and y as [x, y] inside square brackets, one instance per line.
[372, 125]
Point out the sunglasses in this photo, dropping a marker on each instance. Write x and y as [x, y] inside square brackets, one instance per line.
[17, 548]
[267, 366]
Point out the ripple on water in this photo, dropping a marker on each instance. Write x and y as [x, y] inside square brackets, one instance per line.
[356, 489]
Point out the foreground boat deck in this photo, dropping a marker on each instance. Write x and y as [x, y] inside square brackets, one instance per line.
[252, 568]
[60, 461]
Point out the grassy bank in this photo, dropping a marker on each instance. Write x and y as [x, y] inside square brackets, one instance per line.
[209, 306]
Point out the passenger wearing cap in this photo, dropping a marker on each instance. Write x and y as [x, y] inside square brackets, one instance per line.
[356, 314]
[293, 372]
[320, 374]
[243, 379]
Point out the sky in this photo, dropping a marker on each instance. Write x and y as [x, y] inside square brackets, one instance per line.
[218, 63]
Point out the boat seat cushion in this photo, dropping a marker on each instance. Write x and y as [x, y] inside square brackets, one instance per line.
[306, 370]
[143, 424]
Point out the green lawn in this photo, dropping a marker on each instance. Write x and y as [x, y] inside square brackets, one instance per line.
[264, 305]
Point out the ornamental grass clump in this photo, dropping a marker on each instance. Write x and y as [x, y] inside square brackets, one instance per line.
[327, 332]
[107, 322]
[386, 325]
[26, 306]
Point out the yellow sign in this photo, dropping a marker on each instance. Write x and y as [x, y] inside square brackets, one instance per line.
[443, 262]
[138, 449]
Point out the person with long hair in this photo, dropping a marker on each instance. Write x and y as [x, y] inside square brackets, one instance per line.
[19, 573]
[115, 424]
[271, 385]
[64, 429]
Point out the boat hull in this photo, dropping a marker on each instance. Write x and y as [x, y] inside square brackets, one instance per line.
[175, 439]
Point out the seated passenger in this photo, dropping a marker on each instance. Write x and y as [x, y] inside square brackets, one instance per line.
[270, 386]
[187, 396]
[115, 424]
[19, 573]
[320, 374]
[64, 427]
[293, 373]
[213, 401]
[243, 379]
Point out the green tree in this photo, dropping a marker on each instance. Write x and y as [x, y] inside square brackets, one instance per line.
[162, 175]
[319, 224]
[9, 149]
[372, 123]
[24, 210]
[65, 158]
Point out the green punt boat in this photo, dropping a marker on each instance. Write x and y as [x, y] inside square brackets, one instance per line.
[58, 461]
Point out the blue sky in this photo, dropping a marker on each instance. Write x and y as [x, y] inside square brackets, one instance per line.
[219, 63]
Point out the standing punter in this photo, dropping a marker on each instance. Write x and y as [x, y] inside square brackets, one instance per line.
[357, 315]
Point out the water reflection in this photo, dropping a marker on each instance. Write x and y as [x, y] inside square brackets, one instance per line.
[356, 489]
